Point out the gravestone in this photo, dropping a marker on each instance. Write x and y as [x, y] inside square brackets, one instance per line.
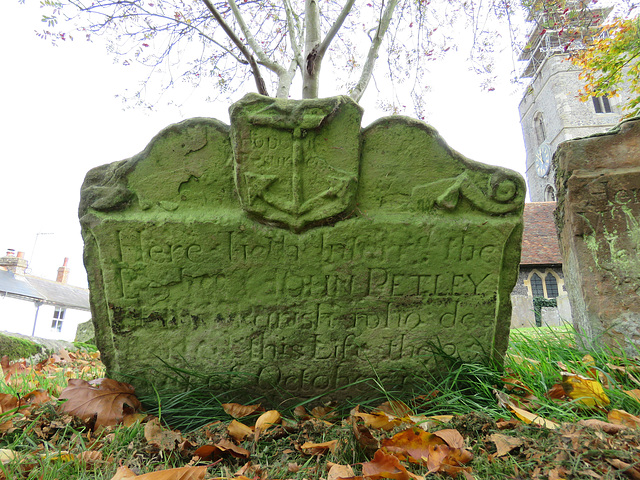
[598, 216]
[294, 252]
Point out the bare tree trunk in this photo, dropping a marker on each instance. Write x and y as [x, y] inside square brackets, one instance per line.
[311, 70]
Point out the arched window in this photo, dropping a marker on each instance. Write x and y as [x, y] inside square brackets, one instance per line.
[549, 194]
[536, 286]
[551, 286]
[545, 284]
[538, 125]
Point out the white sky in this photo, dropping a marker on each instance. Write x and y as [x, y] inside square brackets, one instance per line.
[60, 118]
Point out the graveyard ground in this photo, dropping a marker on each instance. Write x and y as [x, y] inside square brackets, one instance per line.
[557, 411]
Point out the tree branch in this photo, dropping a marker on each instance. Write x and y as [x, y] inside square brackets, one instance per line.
[372, 56]
[322, 49]
[262, 57]
[262, 87]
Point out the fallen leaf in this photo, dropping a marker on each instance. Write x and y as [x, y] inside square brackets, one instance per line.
[584, 390]
[524, 415]
[8, 402]
[635, 393]
[505, 443]
[620, 417]
[37, 397]
[451, 437]
[629, 470]
[364, 437]
[396, 408]
[8, 455]
[412, 442]
[130, 419]
[106, 402]
[381, 420]
[9, 369]
[238, 411]
[239, 431]
[610, 428]
[312, 448]
[340, 471]
[183, 473]
[160, 437]
[266, 421]
[384, 466]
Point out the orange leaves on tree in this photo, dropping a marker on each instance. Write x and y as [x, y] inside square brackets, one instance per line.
[106, 402]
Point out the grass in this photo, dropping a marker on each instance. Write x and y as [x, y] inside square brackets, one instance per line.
[50, 445]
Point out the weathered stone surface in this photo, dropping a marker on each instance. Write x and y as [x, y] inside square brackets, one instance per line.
[298, 250]
[598, 218]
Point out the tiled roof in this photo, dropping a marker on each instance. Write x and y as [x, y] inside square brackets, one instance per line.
[36, 289]
[17, 286]
[60, 294]
[540, 240]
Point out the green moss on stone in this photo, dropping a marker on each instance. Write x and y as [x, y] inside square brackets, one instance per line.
[16, 348]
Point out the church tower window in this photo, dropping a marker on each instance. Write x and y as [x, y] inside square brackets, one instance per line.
[601, 104]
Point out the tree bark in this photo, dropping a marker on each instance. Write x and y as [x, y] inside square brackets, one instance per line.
[311, 70]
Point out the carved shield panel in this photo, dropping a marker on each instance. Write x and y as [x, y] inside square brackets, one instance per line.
[296, 163]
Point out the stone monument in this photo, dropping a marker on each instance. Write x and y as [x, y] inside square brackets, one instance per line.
[299, 252]
[598, 218]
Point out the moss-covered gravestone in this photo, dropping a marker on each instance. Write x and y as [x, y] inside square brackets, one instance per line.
[298, 251]
[598, 215]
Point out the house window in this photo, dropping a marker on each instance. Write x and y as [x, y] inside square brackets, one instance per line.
[58, 317]
[545, 284]
[601, 104]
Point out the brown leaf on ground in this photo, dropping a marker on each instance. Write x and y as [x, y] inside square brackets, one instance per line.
[504, 443]
[364, 437]
[239, 431]
[183, 473]
[301, 413]
[338, 471]
[524, 415]
[384, 466]
[629, 470]
[395, 408]
[380, 420]
[9, 369]
[238, 411]
[451, 437]
[106, 402]
[160, 437]
[635, 393]
[620, 417]
[8, 402]
[266, 421]
[556, 392]
[37, 397]
[610, 428]
[412, 442]
[311, 448]
[208, 452]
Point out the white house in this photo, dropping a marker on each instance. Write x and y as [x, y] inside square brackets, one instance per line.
[37, 306]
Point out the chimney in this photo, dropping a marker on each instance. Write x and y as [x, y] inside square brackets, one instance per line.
[63, 272]
[14, 263]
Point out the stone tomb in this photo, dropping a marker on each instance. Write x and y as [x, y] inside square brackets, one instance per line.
[298, 251]
[598, 217]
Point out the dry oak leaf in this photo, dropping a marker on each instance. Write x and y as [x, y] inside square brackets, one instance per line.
[183, 473]
[106, 401]
[238, 411]
[504, 443]
[161, 437]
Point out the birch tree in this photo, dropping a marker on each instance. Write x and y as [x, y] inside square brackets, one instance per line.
[221, 45]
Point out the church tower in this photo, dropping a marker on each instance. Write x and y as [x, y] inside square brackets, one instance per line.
[550, 111]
